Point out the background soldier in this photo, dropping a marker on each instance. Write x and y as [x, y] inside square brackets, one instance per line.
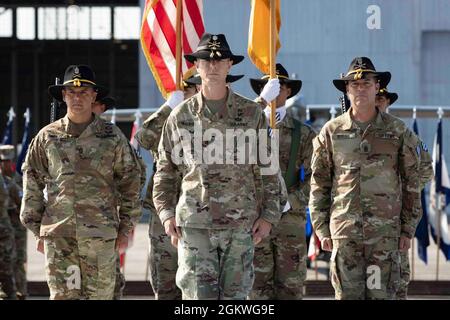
[383, 100]
[216, 214]
[103, 104]
[98, 107]
[280, 259]
[7, 247]
[365, 195]
[8, 171]
[83, 162]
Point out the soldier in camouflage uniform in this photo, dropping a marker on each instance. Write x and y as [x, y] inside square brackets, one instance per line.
[214, 215]
[83, 163]
[385, 99]
[7, 247]
[280, 259]
[20, 232]
[163, 257]
[98, 107]
[365, 189]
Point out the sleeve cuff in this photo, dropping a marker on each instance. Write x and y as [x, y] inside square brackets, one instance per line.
[272, 218]
[125, 229]
[323, 233]
[407, 232]
[166, 214]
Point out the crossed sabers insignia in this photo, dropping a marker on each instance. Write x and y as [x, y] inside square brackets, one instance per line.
[214, 45]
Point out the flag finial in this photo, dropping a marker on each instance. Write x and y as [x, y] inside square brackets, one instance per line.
[440, 112]
[113, 116]
[11, 114]
[27, 115]
[333, 111]
[308, 115]
[414, 113]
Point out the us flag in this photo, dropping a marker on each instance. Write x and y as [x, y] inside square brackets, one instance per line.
[158, 38]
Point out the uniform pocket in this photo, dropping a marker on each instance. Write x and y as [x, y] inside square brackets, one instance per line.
[394, 276]
[334, 271]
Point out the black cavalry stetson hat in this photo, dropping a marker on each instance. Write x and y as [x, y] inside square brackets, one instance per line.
[358, 69]
[196, 80]
[109, 102]
[78, 76]
[392, 96]
[283, 76]
[213, 46]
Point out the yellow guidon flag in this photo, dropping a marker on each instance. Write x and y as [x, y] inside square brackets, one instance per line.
[259, 34]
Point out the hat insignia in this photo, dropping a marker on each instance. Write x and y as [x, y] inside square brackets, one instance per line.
[359, 64]
[214, 45]
[76, 71]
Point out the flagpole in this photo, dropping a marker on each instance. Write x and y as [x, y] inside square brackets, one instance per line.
[438, 232]
[413, 242]
[272, 57]
[178, 46]
[412, 259]
[440, 113]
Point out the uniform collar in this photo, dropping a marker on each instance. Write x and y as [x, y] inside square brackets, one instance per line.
[96, 126]
[199, 105]
[349, 123]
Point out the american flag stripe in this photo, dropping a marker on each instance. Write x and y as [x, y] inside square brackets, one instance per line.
[162, 59]
[158, 38]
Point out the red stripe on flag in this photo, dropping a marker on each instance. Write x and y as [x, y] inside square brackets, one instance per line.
[162, 62]
[158, 61]
[166, 27]
[196, 17]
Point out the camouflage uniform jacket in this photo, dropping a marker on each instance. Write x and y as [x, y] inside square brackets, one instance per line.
[213, 196]
[5, 222]
[425, 165]
[148, 138]
[82, 176]
[15, 194]
[298, 194]
[365, 184]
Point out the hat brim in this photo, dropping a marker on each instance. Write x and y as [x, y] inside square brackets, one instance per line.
[206, 56]
[230, 79]
[108, 102]
[295, 85]
[383, 77]
[392, 96]
[56, 91]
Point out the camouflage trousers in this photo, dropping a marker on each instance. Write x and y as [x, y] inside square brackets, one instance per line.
[163, 262]
[7, 257]
[365, 269]
[120, 280]
[280, 261]
[215, 264]
[405, 273]
[82, 268]
[20, 237]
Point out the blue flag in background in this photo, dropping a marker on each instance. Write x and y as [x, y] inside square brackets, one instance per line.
[7, 135]
[422, 235]
[25, 143]
[440, 195]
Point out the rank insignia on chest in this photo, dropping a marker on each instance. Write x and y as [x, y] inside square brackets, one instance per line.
[346, 135]
[364, 147]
